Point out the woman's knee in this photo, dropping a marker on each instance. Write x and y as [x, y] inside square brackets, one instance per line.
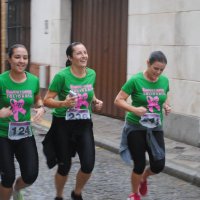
[7, 180]
[30, 178]
[87, 162]
[87, 168]
[139, 170]
[63, 169]
[139, 167]
[157, 166]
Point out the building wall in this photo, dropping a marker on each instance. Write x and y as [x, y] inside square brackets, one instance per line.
[2, 35]
[50, 33]
[173, 27]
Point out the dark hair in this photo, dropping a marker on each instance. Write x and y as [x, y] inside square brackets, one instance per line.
[157, 56]
[11, 49]
[69, 52]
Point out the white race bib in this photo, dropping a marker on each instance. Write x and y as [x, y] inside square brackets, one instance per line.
[19, 130]
[77, 114]
[150, 120]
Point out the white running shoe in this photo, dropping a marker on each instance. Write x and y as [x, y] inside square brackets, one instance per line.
[17, 195]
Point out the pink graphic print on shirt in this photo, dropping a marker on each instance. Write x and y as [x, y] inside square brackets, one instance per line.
[17, 107]
[82, 101]
[153, 103]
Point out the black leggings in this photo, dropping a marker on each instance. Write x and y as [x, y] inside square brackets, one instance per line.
[71, 137]
[25, 151]
[137, 145]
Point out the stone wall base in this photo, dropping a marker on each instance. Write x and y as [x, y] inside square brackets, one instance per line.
[183, 129]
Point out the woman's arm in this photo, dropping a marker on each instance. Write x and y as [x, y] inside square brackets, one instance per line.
[51, 102]
[166, 106]
[121, 102]
[98, 104]
[38, 101]
[40, 110]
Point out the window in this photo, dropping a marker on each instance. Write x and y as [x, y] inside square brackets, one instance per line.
[18, 23]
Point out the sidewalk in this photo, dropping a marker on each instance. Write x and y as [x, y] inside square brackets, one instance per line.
[182, 161]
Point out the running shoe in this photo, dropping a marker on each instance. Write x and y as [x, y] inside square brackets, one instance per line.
[75, 197]
[17, 195]
[143, 188]
[134, 196]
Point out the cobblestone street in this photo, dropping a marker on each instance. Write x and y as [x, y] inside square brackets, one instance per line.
[110, 180]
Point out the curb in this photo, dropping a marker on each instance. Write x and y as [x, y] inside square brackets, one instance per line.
[171, 168]
[186, 174]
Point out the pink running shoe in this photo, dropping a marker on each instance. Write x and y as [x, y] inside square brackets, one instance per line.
[143, 188]
[134, 196]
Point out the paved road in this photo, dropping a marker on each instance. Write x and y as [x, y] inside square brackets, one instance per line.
[110, 180]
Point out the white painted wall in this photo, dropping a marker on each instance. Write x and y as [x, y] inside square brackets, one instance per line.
[48, 46]
[40, 42]
[173, 27]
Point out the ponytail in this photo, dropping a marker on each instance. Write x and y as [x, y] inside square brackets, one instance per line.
[68, 62]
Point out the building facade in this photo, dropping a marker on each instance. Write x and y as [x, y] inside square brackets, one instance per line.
[119, 36]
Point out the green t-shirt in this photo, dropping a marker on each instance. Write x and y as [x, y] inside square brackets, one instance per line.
[20, 96]
[84, 87]
[150, 95]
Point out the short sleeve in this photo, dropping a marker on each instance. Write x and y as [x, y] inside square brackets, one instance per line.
[129, 86]
[57, 83]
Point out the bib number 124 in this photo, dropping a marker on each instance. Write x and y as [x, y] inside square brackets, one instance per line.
[19, 130]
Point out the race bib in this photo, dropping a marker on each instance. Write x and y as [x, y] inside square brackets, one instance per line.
[19, 130]
[77, 114]
[150, 120]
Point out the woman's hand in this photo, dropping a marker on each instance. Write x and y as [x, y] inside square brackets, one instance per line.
[140, 111]
[98, 104]
[5, 112]
[70, 101]
[167, 109]
[39, 113]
